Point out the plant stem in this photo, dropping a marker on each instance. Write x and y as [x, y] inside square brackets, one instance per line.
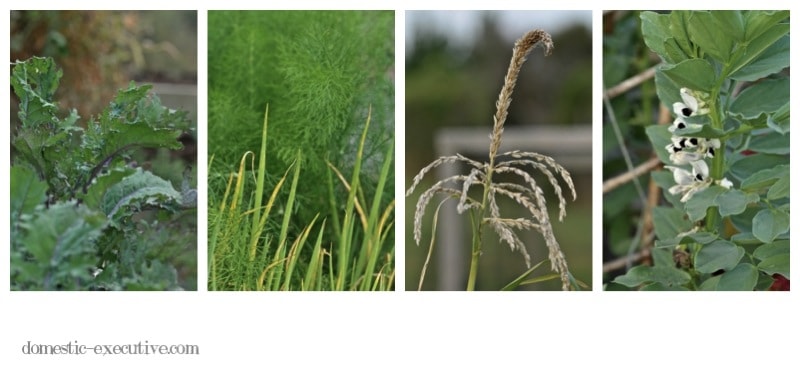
[473, 268]
[477, 227]
[717, 163]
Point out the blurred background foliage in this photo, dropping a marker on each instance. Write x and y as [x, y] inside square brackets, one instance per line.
[99, 53]
[450, 82]
[624, 56]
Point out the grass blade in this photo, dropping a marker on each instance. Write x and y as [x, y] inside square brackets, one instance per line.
[280, 254]
[517, 282]
[294, 253]
[314, 272]
[262, 163]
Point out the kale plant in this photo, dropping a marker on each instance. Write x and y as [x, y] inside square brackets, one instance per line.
[727, 152]
[84, 216]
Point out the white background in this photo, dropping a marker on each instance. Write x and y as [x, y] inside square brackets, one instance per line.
[400, 335]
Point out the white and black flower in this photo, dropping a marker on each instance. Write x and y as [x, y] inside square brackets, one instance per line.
[690, 106]
[681, 157]
[688, 183]
[710, 146]
[680, 124]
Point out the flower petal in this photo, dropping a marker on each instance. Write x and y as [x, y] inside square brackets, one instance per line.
[681, 176]
[680, 124]
[685, 157]
[699, 168]
[689, 100]
[681, 109]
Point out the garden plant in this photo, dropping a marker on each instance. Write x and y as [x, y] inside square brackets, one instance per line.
[84, 214]
[483, 210]
[301, 138]
[724, 224]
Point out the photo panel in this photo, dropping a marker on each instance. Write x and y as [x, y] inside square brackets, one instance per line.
[103, 150]
[696, 150]
[301, 146]
[498, 191]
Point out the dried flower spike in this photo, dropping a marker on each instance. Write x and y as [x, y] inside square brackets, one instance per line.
[530, 195]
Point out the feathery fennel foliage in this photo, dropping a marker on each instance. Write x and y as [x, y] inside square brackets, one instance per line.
[320, 71]
[309, 211]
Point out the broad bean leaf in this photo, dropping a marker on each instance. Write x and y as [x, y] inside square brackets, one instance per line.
[710, 284]
[662, 287]
[659, 137]
[746, 238]
[780, 189]
[668, 276]
[770, 249]
[776, 264]
[743, 277]
[779, 120]
[695, 74]
[772, 60]
[707, 31]
[731, 23]
[772, 143]
[745, 166]
[754, 48]
[759, 22]
[762, 98]
[667, 35]
[669, 222]
[699, 237]
[663, 257]
[718, 255]
[765, 178]
[655, 30]
[682, 48]
[768, 224]
[734, 201]
[697, 205]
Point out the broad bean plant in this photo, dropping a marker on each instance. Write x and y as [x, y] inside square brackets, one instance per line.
[726, 153]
